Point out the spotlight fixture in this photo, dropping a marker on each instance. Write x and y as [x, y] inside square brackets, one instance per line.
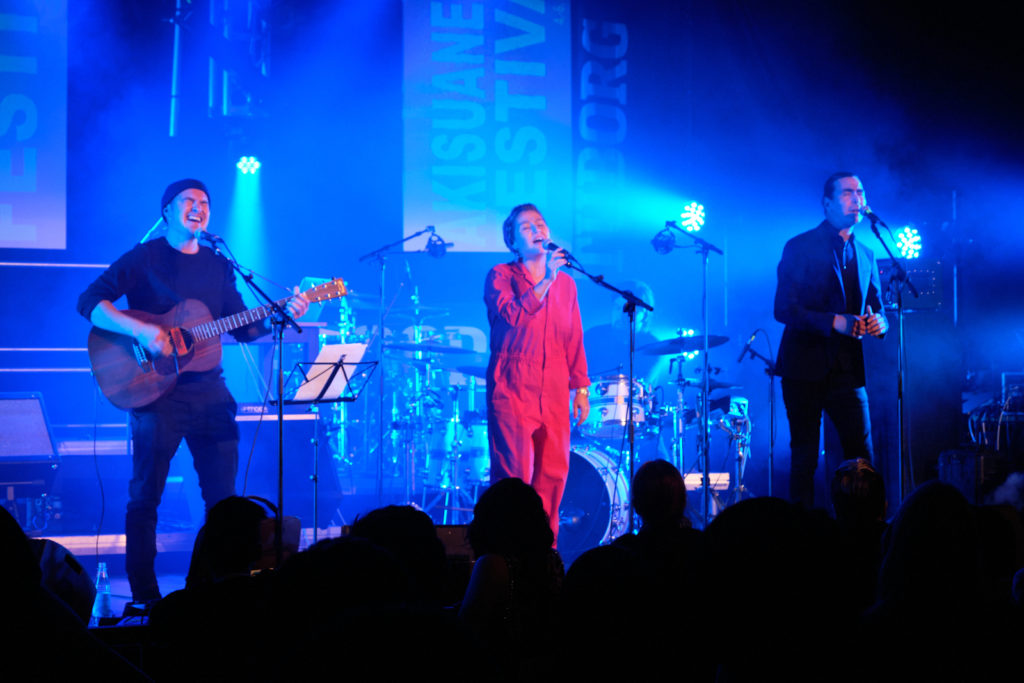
[248, 165]
[908, 241]
[693, 217]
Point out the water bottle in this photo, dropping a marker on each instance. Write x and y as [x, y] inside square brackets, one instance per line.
[101, 605]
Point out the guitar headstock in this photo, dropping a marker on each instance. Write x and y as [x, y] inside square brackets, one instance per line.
[326, 291]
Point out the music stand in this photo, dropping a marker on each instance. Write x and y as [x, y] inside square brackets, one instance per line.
[327, 379]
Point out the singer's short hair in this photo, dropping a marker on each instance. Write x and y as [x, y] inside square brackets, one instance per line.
[508, 228]
[830, 184]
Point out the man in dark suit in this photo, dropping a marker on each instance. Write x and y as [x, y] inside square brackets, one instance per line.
[828, 299]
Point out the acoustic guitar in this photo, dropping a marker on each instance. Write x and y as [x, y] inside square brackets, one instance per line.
[131, 377]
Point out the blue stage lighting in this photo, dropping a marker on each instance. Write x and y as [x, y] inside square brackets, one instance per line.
[693, 217]
[248, 165]
[689, 355]
[908, 241]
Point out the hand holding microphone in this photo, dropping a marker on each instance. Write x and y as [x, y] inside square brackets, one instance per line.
[556, 258]
[875, 324]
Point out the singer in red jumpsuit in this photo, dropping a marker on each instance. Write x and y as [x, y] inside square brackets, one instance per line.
[537, 360]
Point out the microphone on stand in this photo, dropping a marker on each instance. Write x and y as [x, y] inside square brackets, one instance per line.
[746, 347]
[872, 216]
[210, 237]
[664, 242]
[436, 246]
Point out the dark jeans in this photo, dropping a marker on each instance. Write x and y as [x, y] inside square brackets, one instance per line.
[847, 407]
[205, 417]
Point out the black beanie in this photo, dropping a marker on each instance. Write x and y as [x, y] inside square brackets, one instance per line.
[179, 186]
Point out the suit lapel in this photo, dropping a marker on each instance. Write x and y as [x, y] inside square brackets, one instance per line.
[837, 269]
[864, 257]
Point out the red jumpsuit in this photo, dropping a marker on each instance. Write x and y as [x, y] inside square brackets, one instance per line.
[536, 359]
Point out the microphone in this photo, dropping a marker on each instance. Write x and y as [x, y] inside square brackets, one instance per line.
[746, 347]
[551, 246]
[664, 241]
[210, 237]
[436, 246]
[872, 216]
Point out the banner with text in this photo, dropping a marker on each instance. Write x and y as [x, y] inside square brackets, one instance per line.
[487, 118]
[33, 124]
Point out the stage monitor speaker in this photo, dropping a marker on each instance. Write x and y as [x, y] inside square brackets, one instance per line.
[28, 456]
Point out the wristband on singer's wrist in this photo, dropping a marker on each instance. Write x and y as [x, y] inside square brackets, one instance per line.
[583, 391]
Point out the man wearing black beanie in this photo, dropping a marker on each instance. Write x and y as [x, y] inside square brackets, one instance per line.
[155, 276]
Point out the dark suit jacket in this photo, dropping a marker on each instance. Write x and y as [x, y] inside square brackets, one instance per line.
[809, 294]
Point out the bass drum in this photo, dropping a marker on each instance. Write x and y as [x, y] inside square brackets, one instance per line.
[595, 506]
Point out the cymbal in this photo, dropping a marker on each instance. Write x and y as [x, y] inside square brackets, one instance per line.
[418, 312]
[363, 302]
[371, 303]
[472, 370]
[681, 345]
[426, 347]
[712, 383]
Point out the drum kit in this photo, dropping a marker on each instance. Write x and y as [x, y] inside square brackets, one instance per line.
[436, 448]
[595, 508]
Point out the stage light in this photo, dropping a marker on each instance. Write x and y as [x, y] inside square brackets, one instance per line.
[693, 217]
[690, 355]
[908, 241]
[248, 165]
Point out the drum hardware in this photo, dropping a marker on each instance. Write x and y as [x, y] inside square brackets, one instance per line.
[769, 369]
[736, 423]
[444, 471]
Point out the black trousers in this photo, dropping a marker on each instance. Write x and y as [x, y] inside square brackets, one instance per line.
[203, 414]
[846, 405]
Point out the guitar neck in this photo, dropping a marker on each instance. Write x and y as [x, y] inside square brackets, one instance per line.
[215, 328]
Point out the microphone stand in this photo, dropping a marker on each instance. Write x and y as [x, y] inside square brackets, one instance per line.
[703, 247]
[629, 308]
[769, 369]
[380, 256]
[279, 320]
[898, 278]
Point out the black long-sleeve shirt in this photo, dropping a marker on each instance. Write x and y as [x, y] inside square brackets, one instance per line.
[154, 276]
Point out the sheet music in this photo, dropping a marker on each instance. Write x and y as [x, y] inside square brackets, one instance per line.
[321, 370]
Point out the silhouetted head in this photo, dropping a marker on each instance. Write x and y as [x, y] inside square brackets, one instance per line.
[509, 519]
[659, 494]
[858, 493]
